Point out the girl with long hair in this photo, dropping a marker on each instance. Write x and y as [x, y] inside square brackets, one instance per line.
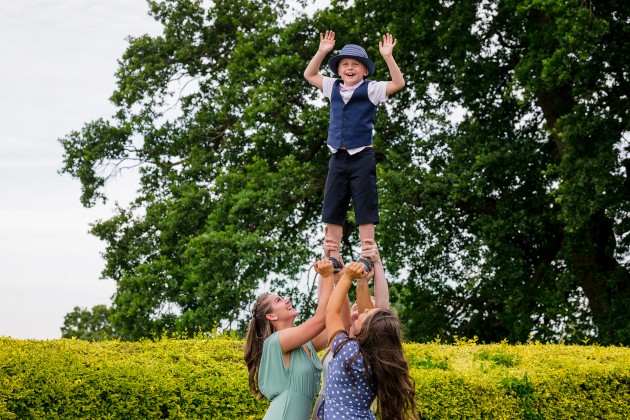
[282, 358]
[371, 365]
[380, 300]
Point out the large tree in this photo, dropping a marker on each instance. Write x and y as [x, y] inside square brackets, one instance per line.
[503, 182]
[512, 197]
[211, 113]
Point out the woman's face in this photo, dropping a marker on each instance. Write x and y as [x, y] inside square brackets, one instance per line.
[281, 308]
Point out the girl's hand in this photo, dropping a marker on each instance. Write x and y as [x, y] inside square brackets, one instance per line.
[355, 270]
[326, 42]
[386, 47]
[324, 267]
[366, 276]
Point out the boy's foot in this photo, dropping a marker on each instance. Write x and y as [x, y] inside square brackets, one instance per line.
[336, 264]
[367, 263]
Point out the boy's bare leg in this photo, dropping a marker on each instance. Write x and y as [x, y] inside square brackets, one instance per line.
[335, 232]
[366, 232]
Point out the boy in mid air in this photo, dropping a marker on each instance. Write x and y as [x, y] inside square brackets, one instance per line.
[353, 101]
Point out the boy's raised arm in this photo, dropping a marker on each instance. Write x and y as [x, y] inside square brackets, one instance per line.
[326, 44]
[386, 48]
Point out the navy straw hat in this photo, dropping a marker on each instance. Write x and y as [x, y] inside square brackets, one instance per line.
[351, 51]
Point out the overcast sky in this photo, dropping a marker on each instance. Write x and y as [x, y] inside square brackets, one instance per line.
[57, 65]
[56, 73]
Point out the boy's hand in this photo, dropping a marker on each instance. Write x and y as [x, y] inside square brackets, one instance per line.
[326, 42]
[386, 47]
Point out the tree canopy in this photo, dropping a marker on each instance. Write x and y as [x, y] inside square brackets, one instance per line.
[503, 165]
[85, 324]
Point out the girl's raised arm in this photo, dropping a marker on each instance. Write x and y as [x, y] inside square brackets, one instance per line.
[334, 322]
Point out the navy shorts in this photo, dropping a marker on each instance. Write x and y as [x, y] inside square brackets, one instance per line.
[351, 176]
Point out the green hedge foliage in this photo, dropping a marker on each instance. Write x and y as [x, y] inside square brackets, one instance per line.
[205, 377]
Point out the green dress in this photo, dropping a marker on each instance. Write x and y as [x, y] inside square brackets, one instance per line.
[293, 389]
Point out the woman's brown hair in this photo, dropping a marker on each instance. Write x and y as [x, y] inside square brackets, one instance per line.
[259, 329]
[380, 342]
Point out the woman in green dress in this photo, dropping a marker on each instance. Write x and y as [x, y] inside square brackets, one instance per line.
[282, 358]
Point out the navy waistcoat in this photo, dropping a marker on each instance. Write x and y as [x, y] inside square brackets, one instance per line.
[351, 124]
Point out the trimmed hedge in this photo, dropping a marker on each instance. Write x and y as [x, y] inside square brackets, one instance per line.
[206, 378]
[533, 381]
[167, 378]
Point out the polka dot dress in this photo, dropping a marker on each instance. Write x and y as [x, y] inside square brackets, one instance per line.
[348, 396]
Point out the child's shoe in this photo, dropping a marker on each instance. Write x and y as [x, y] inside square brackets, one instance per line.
[336, 264]
[367, 263]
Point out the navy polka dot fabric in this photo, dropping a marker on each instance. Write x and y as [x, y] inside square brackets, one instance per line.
[348, 396]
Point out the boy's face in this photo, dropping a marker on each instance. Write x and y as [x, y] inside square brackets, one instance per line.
[351, 71]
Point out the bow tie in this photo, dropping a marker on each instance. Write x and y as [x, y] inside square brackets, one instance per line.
[345, 88]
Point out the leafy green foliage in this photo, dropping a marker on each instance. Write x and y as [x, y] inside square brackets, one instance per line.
[502, 166]
[91, 325]
[509, 206]
[164, 378]
[205, 377]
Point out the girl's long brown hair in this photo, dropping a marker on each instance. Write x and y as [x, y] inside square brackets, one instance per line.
[259, 329]
[380, 342]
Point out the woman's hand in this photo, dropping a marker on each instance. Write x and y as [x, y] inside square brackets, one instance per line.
[324, 268]
[370, 251]
[330, 245]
